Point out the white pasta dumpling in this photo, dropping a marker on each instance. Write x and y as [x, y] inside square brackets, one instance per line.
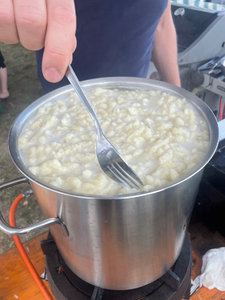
[41, 122]
[166, 157]
[133, 110]
[98, 91]
[159, 143]
[180, 131]
[46, 167]
[66, 119]
[191, 166]
[74, 182]
[149, 179]
[88, 188]
[147, 187]
[174, 174]
[180, 138]
[42, 140]
[138, 152]
[87, 173]
[164, 126]
[58, 182]
[179, 122]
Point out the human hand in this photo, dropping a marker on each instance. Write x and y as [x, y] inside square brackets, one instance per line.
[41, 23]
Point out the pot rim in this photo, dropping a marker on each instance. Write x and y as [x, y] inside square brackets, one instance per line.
[119, 83]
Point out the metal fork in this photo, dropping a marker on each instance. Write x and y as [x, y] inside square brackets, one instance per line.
[109, 158]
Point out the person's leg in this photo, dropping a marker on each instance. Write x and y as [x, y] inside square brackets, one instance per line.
[4, 93]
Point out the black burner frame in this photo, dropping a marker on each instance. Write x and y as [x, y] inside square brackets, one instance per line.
[173, 285]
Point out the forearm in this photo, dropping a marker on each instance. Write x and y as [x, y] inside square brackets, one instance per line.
[164, 53]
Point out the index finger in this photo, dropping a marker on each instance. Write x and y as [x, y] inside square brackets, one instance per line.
[60, 39]
[8, 31]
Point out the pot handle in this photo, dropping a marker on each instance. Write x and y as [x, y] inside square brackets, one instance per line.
[5, 227]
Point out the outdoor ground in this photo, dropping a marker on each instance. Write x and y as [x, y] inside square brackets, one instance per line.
[24, 88]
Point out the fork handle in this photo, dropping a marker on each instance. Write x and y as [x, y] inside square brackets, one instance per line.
[77, 86]
[217, 63]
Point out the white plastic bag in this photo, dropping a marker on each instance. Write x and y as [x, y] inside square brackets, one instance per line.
[213, 270]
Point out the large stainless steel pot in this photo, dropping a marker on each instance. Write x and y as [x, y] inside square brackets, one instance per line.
[118, 242]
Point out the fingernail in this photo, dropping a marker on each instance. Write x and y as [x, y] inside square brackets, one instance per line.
[52, 75]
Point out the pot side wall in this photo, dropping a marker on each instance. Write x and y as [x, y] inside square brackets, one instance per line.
[121, 243]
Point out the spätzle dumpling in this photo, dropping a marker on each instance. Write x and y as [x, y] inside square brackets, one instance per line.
[160, 135]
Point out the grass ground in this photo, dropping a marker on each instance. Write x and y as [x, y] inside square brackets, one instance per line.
[24, 88]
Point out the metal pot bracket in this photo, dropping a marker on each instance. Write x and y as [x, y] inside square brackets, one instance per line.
[5, 227]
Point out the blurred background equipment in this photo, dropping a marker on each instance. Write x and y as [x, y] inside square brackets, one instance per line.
[201, 56]
[201, 51]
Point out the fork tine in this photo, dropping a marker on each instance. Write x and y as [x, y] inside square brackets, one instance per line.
[119, 176]
[126, 175]
[123, 166]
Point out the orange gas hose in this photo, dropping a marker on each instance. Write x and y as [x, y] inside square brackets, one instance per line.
[221, 109]
[22, 252]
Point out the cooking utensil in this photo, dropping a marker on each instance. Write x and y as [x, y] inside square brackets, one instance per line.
[209, 64]
[216, 64]
[123, 241]
[212, 65]
[109, 158]
[223, 66]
